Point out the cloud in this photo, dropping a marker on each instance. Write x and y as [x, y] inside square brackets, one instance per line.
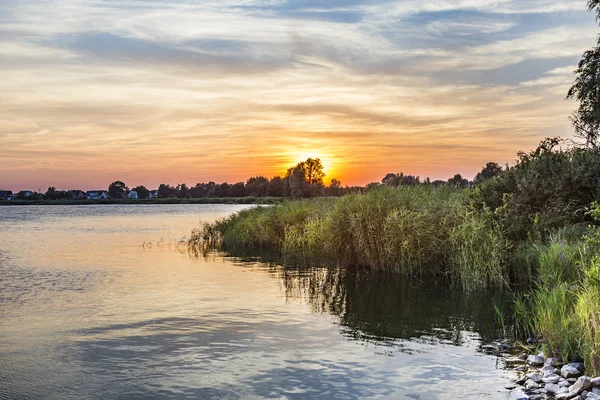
[190, 91]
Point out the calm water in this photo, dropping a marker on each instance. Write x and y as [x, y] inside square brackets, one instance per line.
[86, 311]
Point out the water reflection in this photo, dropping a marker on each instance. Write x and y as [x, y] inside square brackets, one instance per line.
[379, 306]
[87, 312]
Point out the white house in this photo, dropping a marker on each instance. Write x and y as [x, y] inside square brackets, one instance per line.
[153, 194]
[96, 194]
[132, 195]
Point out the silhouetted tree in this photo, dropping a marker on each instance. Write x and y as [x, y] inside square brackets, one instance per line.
[237, 190]
[142, 192]
[257, 186]
[458, 181]
[276, 187]
[222, 190]
[165, 191]
[117, 190]
[586, 90]
[491, 170]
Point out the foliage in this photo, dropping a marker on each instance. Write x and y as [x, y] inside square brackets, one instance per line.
[142, 192]
[546, 189]
[414, 230]
[586, 90]
[490, 171]
[117, 190]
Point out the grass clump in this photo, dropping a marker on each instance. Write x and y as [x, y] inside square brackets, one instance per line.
[422, 231]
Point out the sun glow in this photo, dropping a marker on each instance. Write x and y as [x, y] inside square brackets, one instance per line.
[331, 164]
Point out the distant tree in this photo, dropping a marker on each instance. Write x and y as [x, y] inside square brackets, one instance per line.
[165, 191]
[182, 191]
[391, 179]
[438, 182]
[586, 90]
[458, 181]
[491, 170]
[335, 188]
[117, 190]
[257, 186]
[296, 181]
[222, 190]
[313, 171]
[51, 193]
[305, 179]
[276, 187]
[237, 190]
[142, 192]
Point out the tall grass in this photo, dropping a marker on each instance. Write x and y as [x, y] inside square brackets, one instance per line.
[416, 231]
[563, 308]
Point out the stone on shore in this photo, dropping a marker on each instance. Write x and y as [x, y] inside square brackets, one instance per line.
[536, 377]
[583, 383]
[535, 361]
[531, 385]
[551, 379]
[552, 388]
[569, 371]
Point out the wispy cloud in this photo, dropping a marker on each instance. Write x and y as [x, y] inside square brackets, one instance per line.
[188, 91]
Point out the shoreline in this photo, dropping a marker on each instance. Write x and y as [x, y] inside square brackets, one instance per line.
[207, 200]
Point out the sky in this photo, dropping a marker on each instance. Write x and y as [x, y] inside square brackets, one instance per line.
[174, 91]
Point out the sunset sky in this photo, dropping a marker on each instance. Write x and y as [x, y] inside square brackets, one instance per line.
[188, 91]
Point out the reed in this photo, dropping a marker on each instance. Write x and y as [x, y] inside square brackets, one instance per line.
[416, 231]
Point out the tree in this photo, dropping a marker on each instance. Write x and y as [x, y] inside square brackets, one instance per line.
[182, 190]
[313, 171]
[391, 180]
[458, 181]
[51, 193]
[222, 190]
[117, 190]
[491, 170]
[276, 187]
[165, 191]
[305, 179]
[257, 186]
[586, 90]
[237, 190]
[142, 192]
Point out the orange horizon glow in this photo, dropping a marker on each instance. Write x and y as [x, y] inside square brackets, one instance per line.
[187, 92]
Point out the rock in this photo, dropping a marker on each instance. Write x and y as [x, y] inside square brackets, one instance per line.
[523, 356]
[564, 395]
[551, 379]
[521, 369]
[536, 361]
[549, 369]
[596, 381]
[552, 388]
[595, 390]
[571, 380]
[563, 383]
[530, 385]
[569, 371]
[538, 397]
[510, 387]
[553, 361]
[584, 394]
[579, 365]
[583, 383]
[593, 396]
[521, 380]
[536, 377]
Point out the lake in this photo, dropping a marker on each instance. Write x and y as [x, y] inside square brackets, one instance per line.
[99, 302]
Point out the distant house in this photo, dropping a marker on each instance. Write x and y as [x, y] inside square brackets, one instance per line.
[96, 194]
[26, 194]
[153, 194]
[6, 194]
[132, 195]
[77, 194]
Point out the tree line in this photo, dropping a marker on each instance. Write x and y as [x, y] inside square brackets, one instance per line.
[303, 180]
